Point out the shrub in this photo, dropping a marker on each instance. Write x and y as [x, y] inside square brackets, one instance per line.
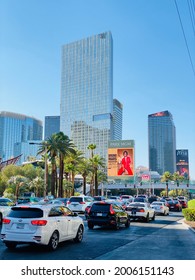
[191, 203]
[189, 214]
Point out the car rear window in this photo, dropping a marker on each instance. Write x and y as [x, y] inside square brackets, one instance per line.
[76, 199]
[100, 207]
[25, 213]
[137, 205]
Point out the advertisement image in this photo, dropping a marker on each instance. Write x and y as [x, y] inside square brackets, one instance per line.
[182, 163]
[120, 162]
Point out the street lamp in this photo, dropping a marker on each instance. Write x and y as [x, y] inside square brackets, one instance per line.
[45, 173]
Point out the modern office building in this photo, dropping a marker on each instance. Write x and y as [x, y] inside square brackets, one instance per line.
[117, 120]
[162, 142]
[86, 109]
[16, 132]
[52, 125]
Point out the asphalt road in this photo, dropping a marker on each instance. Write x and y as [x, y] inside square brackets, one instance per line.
[166, 238]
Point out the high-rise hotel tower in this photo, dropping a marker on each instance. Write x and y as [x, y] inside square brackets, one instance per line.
[162, 142]
[86, 109]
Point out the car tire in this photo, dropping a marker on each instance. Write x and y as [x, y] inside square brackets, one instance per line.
[54, 241]
[10, 245]
[79, 236]
[153, 218]
[1, 219]
[147, 219]
[117, 225]
[127, 224]
[90, 225]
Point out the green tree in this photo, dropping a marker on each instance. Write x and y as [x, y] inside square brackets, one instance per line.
[91, 147]
[72, 162]
[85, 169]
[96, 163]
[65, 148]
[166, 177]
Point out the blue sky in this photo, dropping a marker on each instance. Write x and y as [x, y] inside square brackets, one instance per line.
[152, 68]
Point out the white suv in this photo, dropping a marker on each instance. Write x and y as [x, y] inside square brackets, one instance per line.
[79, 203]
[41, 224]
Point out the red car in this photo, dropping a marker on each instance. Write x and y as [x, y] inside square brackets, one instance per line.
[184, 203]
[174, 205]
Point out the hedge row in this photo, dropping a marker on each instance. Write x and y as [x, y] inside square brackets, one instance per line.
[189, 214]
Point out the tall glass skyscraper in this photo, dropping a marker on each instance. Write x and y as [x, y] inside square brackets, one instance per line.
[16, 131]
[162, 142]
[117, 120]
[86, 109]
[52, 125]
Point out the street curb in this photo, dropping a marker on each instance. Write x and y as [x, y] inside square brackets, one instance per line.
[188, 226]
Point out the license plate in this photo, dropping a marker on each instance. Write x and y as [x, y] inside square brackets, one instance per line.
[20, 226]
[99, 214]
[172, 206]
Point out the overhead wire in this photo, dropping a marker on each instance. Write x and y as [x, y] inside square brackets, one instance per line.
[188, 50]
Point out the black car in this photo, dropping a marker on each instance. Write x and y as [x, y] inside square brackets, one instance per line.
[174, 205]
[104, 213]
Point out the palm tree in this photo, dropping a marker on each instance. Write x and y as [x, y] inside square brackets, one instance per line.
[85, 169]
[96, 163]
[72, 162]
[50, 148]
[91, 147]
[166, 177]
[65, 147]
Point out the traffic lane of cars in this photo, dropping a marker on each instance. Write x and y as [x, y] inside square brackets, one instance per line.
[106, 238]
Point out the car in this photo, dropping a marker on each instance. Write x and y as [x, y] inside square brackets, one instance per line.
[5, 206]
[140, 211]
[164, 201]
[174, 205]
[60, 201]
[126, 197]
[79, 203]
[27, 200]
[140, 199]
[160, 207]
[41, 225]
[99, 198]
[183, 201]
[105, 213]
[87, 209]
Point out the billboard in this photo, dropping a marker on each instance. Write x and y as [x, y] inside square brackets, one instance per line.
[121, 159]
[182, 163]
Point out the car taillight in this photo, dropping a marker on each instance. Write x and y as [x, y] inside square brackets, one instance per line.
[6, 221]
[161, 207]
[141, 210]
[88, 210]
[82, 202]
[112, 212]
[68, 202]
[39, 222]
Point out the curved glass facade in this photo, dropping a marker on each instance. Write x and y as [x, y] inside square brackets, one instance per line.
[16, 129]
[86, 109]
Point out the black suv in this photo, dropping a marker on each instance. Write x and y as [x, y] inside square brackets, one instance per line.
[104, 213]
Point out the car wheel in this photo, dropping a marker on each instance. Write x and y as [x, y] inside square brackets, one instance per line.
[147, 219]
[153, 218]
[79, 236]
[127, 224]
[1, 219]
[90, 225]
[54, 241]
[117, 225]
[10, 245]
